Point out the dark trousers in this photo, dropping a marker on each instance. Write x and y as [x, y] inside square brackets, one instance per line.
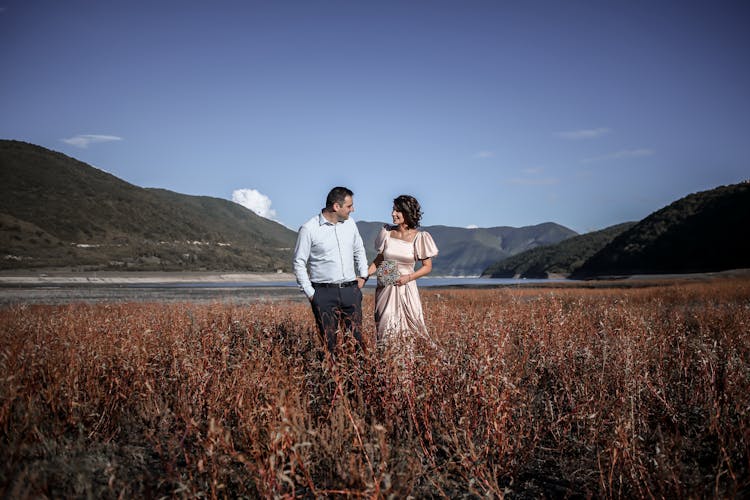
[338, 309]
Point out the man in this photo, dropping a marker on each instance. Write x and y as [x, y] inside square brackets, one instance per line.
[331, 267]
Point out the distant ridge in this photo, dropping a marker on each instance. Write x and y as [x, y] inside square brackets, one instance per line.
[56, 211]
[468, 252]
[559, 259]
[702, 232]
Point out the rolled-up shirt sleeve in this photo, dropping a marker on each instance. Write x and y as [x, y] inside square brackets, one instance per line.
[301, 256]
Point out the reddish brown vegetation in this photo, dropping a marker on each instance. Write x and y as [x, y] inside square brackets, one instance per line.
[614, 393]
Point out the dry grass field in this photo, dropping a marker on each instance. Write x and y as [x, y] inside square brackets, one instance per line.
[525, 393]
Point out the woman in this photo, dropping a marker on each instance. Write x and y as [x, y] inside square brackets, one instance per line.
[398, 309]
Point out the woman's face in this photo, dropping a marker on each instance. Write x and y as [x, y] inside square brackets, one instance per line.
[398, 217]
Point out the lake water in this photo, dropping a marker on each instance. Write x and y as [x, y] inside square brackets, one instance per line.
[423, 282]
[199, 292]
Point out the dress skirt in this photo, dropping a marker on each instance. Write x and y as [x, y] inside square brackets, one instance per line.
[398, 313]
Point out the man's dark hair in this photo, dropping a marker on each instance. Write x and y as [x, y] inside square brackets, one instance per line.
[337, 195]
[410, 209]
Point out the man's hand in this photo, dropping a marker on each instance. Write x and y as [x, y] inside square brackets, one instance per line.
[361, 282]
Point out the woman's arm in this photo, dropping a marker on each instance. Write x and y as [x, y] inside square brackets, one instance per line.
[423, 271]
[375, 263]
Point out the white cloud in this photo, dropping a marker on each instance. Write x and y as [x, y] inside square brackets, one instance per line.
[82, 141]
[255, 201]
[575, 135]
[533, 181]
[483, 155]
[533, 177]
[620, 155]
[472, 226]
[531, 171]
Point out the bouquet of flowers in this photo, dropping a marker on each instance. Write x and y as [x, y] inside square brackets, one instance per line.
[387, 273]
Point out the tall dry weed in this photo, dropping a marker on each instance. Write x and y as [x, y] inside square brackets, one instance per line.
[522, 393]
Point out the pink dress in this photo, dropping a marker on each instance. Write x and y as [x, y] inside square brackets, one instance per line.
[398, 309]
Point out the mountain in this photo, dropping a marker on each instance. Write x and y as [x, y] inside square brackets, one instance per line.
[468, 252]
[562, 258]
[56, 211]
[702, 232]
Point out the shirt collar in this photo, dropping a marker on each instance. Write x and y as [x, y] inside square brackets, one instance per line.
[323, 221]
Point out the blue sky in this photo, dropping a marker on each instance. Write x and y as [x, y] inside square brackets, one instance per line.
[491, 113]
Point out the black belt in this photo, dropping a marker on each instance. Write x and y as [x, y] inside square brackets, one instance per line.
[335, 285]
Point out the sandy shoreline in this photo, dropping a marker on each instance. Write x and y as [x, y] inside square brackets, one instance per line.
[65, 287]
[18, 278]
[124, 278]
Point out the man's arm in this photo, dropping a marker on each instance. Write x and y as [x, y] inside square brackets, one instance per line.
[360, 258]
[301, 256]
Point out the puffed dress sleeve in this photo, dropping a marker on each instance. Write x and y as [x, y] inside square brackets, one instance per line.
[424, 246]
[380, 239]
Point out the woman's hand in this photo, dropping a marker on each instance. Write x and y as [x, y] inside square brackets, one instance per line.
[422, 271]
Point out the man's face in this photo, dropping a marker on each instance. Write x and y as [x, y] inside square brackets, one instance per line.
[343, 211]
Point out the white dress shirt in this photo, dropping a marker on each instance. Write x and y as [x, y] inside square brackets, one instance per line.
[328, 253]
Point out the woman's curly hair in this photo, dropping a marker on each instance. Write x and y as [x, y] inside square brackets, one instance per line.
[409, 207]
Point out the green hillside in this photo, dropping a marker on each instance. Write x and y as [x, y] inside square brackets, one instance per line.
[702, 232]
[56, 211]
[561, 258]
